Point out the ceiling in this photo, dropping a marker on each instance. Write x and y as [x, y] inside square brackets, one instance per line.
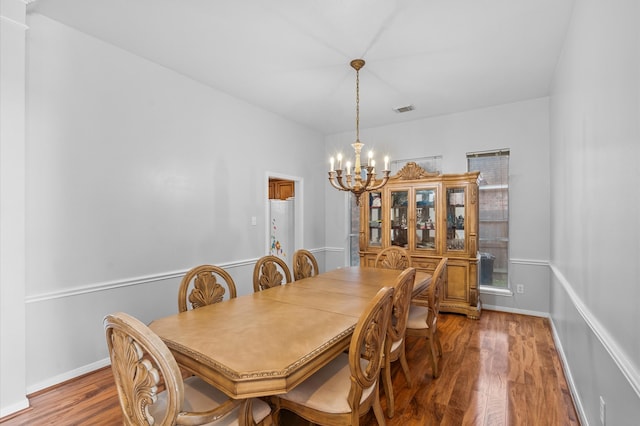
[292, 56]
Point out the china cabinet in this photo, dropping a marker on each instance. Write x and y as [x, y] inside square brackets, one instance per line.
[432, 216]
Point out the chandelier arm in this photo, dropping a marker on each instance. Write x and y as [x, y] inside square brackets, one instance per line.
[385, 178]
[348, 186]
[370, 175]
[383, 183]
[332, 180]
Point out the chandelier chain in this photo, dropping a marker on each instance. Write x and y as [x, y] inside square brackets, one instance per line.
[354, 180]
[358, 105]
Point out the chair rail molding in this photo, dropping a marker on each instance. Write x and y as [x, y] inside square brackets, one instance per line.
[613, 349]
[134, 281]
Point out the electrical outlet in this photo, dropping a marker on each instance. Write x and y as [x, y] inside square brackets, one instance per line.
[520, 289]
[602, 411]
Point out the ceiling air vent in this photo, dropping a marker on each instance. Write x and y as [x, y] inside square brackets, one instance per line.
[404, 108]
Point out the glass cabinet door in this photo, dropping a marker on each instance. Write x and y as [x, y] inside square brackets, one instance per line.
[425, 208]
[398, 217]
[375, 219]
[455, 218]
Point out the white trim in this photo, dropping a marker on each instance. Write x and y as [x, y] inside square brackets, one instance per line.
[533, 262]
[496, 291]
[11, 21]
[127, 282]
[72, 374]
[617, 354]
[575, 396]
[515, 310]
[14, 408]
[491, 187]
[334, 249]
[560, 351]
[103, 286]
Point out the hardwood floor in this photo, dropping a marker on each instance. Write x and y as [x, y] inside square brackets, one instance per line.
[500, 370]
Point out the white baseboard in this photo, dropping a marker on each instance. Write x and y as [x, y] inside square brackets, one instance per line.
[565, 366]
[14, 408]
[72, 374]
[575, 396]
[515, 310]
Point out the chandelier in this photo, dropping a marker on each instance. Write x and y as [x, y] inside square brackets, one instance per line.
[354, 182]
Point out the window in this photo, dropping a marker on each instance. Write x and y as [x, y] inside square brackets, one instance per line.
[494, 215]
[431, 164]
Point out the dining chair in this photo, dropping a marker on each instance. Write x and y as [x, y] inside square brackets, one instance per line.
[142, 364]
[394, 347]
[423, 315]
[270, 271]
[393, 257]
[304, 265]
[347, 387]
[202, 286]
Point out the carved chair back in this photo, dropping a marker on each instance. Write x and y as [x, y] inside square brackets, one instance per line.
[142, 364]
[434, 293]
[304, 265]
[204, 285]
[347, 388]
[393, 257]
[395, 345]
[270, 271]
[423, 314]
[367, 343]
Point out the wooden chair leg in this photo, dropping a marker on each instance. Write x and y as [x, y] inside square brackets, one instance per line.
[434, 357]
[435, 335]
[388, 388]
[377, 410]
[405, 368]
[275, 415]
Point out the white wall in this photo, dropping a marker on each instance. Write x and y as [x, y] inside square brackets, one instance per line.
[595, 216]
[135, 174]
[12, 205]
[523, 128]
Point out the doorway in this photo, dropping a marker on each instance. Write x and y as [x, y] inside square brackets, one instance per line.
[283, 216]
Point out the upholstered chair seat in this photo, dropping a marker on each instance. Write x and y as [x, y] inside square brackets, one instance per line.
[418, 317]
[328, 389]
[199, 396]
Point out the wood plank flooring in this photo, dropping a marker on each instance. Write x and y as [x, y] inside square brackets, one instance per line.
[500, 370]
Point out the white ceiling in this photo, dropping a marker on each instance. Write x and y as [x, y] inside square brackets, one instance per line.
[292, 56]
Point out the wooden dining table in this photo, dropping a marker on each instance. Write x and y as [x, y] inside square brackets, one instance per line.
[267, 342]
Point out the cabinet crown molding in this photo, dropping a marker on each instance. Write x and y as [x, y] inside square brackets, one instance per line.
[412, 171]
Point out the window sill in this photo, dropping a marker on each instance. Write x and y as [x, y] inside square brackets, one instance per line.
[486, 289]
